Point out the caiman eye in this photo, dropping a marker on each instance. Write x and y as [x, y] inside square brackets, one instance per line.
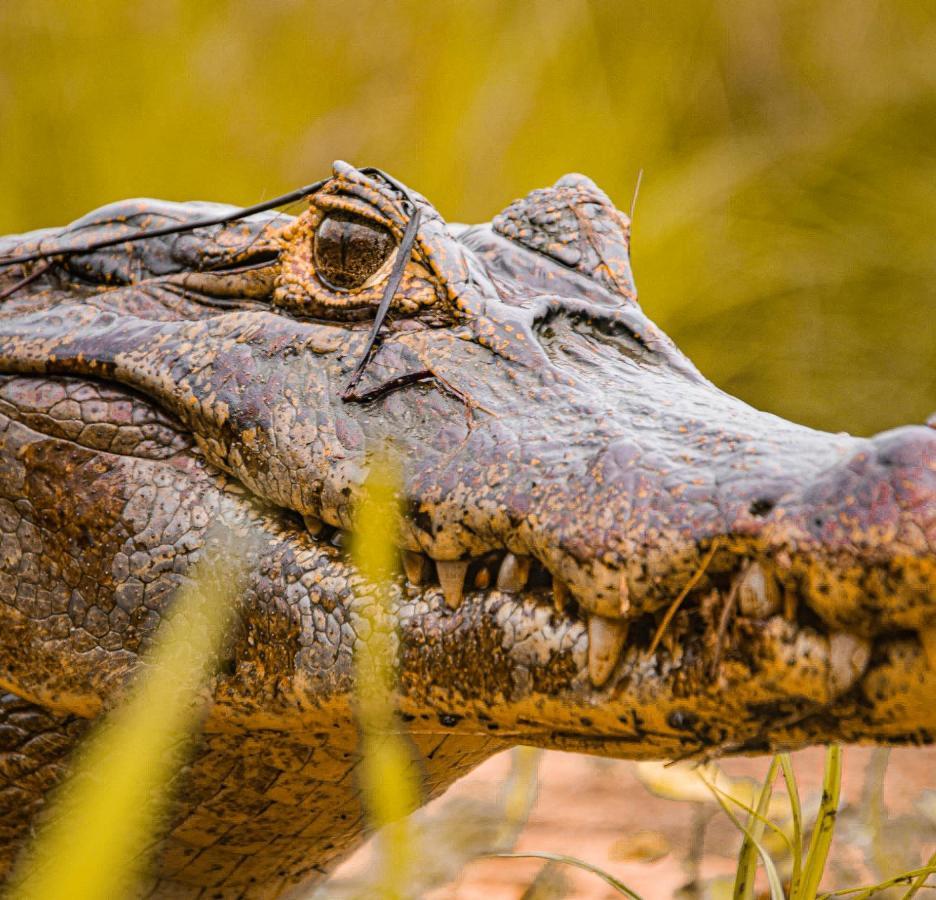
[348, 250]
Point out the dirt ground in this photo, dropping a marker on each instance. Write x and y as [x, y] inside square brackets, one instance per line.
[601, 812]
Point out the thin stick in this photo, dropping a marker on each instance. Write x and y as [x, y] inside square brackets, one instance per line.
[921, 879]
[690, 584]
[396, 276]
[636, 192]
[38, 272]
[619, 886]
[241, 213]
[730, 603]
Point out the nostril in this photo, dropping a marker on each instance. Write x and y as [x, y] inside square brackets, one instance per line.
[762, 506]
[909, 447]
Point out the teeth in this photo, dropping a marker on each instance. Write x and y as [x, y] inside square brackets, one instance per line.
[758, 594]
[560, 595]
[606, 637]
[452, 579]
[482, 579]
[414, 564]
[848, 658]
[513, 574]
[314, 525]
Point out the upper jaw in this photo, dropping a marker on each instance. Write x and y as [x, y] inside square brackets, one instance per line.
[829, 533]
[583, 549]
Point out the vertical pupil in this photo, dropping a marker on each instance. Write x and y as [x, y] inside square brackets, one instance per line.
[348, 250]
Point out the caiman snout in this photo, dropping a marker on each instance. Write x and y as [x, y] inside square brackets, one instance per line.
[602, 550]
[860, 538]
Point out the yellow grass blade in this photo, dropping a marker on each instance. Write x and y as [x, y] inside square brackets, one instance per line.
[789, 778]
[518, 794]
[866, 893]
[387, 770]
[773, 877]
[821, 838]
[753, 835]
[618, 885]
[921, 879]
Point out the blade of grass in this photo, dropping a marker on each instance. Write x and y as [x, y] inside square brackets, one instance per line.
[387, 771]
[864, 893]
[773, 877]
[821, 839]
[716, 790]
[796, 810]
[880, 853]
[921, 879]
[747, 855]
[519, 794]
[619, 886]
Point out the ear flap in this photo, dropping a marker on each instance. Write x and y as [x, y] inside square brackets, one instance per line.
[575, 224]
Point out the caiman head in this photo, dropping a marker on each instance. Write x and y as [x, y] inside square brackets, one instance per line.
[602, 550]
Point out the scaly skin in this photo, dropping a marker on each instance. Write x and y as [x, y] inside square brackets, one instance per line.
[567, 467]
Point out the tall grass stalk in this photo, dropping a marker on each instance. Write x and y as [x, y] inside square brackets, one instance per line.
[796, 811]
[921, 879]
[821, 839]
[753, 833]
[387, 771]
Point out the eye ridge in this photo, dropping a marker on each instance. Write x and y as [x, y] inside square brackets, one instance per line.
[349, 249]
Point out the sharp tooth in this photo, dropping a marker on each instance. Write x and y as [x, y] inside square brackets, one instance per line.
[340, 539]
[560, 594]
[848, 658]
[414, 564]
[513, 574]
[452, 579]
[482, 579]
[758, 595]
[314, 525]
[606, 637]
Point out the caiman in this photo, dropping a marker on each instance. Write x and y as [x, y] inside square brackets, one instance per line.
[603, 552]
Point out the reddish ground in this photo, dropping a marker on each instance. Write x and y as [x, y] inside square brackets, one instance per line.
[599, 811]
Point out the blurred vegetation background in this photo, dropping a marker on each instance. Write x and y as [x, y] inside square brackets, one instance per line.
[786, 228]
